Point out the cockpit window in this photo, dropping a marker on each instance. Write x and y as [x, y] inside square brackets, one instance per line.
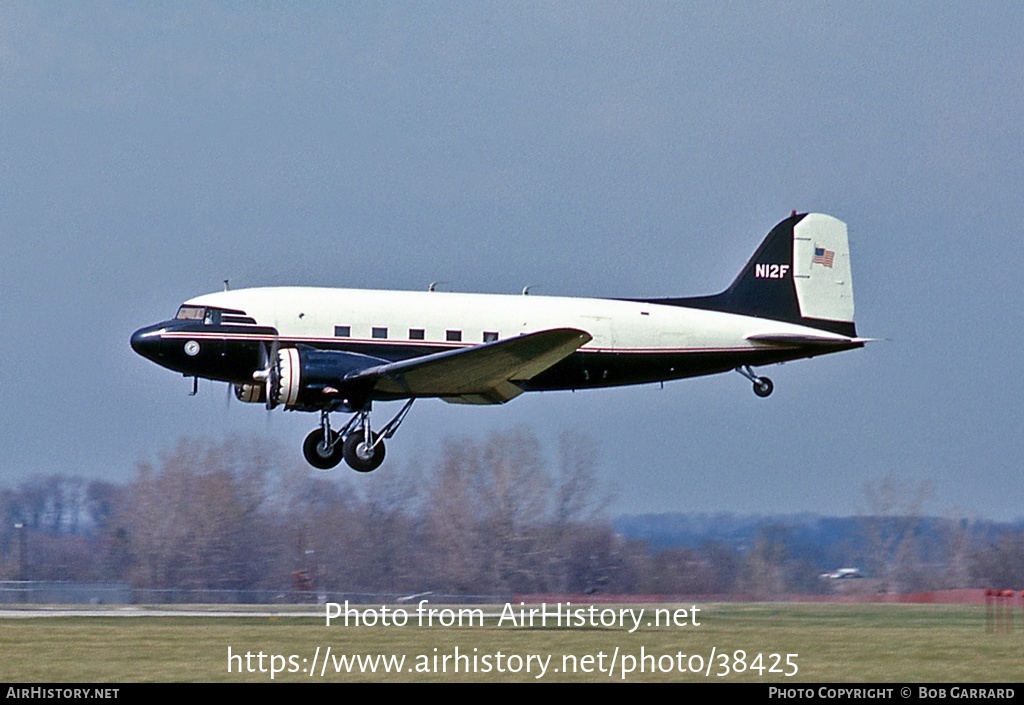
[214, 316]
[191, 313]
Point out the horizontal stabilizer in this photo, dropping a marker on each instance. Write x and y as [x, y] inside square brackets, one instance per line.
[482, 374]
[789, 340]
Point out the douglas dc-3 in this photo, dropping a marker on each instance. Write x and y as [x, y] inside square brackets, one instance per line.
[331, 350]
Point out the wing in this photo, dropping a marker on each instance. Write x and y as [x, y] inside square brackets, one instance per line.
[482, 374]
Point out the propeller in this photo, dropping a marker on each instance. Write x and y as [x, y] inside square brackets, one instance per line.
[269, 372]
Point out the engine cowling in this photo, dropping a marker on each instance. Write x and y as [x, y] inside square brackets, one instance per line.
[251, 393]
[306, 379]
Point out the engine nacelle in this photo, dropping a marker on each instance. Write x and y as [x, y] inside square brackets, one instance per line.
[251, 393]
[306, 379]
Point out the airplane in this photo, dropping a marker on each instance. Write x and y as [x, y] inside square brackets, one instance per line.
[340, 350]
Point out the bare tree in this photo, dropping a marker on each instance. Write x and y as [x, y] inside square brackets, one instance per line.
[578, 495]
[763, 570]
[194, 521]
[889, 525]
[454, 534]
[498, 520]
[1000, 565]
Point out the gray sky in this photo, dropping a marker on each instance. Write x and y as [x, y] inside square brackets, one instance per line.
[149, 151]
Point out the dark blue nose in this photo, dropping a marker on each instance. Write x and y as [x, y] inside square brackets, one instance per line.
[146, 342]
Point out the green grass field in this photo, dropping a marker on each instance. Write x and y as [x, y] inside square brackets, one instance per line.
[831, 643]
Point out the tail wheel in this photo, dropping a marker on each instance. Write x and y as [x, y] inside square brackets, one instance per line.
[319, 454]
[360, 456]
[763, 386]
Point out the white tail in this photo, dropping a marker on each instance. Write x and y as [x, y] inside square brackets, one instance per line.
[821, 268]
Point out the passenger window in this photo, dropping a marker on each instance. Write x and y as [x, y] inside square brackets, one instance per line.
[453, 336]
[490, 336]
[415, 334]
[380, 332]
[342, 331]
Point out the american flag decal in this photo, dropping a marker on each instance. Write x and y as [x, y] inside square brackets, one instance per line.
[823, 256]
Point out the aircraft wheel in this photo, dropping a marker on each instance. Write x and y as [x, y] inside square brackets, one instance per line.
[316, 452]
[359, 457]
[763, 387]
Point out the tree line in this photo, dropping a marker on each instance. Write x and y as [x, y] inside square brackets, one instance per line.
[487, 518]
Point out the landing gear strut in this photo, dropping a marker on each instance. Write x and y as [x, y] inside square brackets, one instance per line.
[762, 385]
[324, 448]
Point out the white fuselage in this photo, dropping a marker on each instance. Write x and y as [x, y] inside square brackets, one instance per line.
[317, 316]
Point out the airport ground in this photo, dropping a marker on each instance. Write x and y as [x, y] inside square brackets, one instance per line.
[721, 642]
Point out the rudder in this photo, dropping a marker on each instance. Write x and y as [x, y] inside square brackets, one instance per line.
[821, 269]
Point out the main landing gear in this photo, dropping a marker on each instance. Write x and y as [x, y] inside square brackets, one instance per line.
[324, 448]
[762, 385]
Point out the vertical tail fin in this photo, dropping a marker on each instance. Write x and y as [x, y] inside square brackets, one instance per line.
[799, 274]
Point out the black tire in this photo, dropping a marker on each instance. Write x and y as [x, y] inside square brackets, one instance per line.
[317, 455]
[359, 461]
[763, 387]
